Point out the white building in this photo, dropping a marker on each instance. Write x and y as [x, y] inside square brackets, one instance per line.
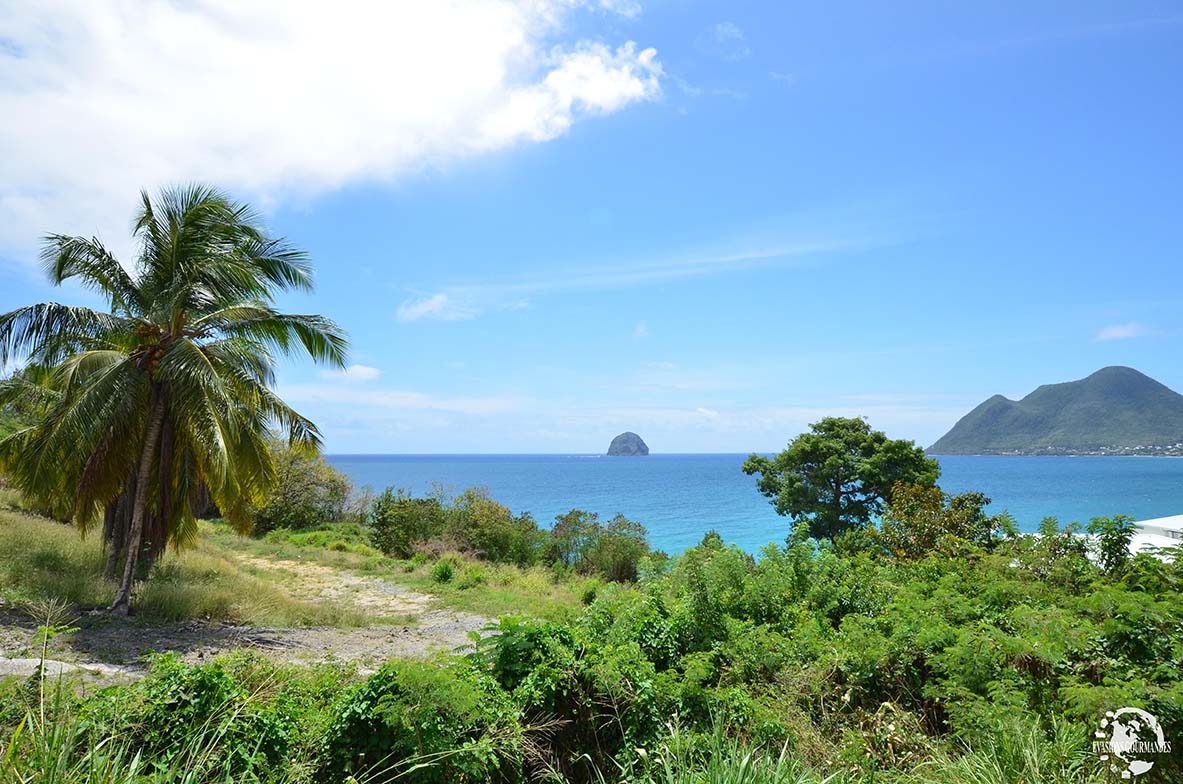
[1159, 532]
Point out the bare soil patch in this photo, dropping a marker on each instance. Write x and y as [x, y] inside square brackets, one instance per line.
[106, 647]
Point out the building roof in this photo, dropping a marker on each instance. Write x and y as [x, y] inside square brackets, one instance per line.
[1172, 523]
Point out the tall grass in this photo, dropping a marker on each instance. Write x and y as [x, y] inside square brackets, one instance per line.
[684, 758]
[53, 744]
[1021, 753]
[42, 560]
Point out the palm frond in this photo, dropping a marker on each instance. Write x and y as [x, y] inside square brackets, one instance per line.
[93, 265]
[50, 330]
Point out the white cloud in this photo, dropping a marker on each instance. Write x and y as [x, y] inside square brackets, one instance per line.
[279, 98]
[1122, 331]
[437, 306]
[641, 331]
[707, 412]
[353, 373]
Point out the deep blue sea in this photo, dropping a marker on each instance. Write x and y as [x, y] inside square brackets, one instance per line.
[679, 497]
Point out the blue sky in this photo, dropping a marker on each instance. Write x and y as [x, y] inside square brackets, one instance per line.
[543, 223]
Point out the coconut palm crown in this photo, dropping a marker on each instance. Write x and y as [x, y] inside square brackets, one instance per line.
[162, 402]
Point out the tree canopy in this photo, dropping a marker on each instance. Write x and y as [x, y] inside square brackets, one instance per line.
[163, 400]
[839, 475]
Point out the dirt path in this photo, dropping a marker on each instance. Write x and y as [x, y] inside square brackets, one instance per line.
[108, 648]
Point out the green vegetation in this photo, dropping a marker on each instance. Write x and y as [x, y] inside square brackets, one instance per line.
[214, 580]
[42, 560]
[1115, 410]
[839, 475]
[472, 523]
[900, 635]
[920, 521]
[989, 657]
[308, 492]
[162, 402]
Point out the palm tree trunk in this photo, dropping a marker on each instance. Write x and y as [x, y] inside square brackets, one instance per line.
[117, 523]
[122, 604]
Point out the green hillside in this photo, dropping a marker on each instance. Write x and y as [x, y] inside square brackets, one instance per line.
[1116, 409]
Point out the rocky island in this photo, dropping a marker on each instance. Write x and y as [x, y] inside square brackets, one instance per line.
[1115, 411]
[628, 445]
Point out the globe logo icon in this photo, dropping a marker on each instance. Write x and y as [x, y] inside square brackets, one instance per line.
[1127, 739]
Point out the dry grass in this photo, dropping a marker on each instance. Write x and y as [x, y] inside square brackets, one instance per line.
[42, 560]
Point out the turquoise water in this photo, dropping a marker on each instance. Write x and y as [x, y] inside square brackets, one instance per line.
[679, 497]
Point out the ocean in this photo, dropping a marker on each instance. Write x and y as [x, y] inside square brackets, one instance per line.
[680, 497]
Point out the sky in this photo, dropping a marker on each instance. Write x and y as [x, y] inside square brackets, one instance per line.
[543, 222]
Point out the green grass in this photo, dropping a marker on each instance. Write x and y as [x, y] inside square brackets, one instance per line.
[498, 589]
[478, 586]
[42, 560]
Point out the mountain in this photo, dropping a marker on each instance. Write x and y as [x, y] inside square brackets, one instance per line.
[628, 445]
[1116, 410]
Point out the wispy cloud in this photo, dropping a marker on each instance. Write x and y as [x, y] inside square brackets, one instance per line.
[641, 331]
[353, 373]
[1122, 331]
[440, 307]
[465, 302]
[100, 99]
[395, 399]
[726, 41]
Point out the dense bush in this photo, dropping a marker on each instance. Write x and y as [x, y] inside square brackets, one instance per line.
[445, 722]
[472, 522]
[492, 531]
[399, 521]
[308, 492]
[920, 520]
[985, 659]
[251, 714]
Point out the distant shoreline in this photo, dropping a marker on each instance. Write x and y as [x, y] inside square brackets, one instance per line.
[770, 452]
[1054, 454]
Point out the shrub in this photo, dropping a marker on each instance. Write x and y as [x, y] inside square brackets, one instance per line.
[176, 702]
[398, 521]
[619, 549]
[492, 531]
[614, 551]
[443, 571]
[449, 722]
[919, 520]
[1112, 536]
[308, 492]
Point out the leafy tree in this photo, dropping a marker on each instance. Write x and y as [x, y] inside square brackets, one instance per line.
[919, 520]
[572, 536]
[399, 521]
[491, 530]
[620, 547]
[839, 475]
[1112, 537]
[579, 541]
[308, 491]
[165, 396]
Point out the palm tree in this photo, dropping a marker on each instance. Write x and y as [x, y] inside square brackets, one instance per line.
[163, 401]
